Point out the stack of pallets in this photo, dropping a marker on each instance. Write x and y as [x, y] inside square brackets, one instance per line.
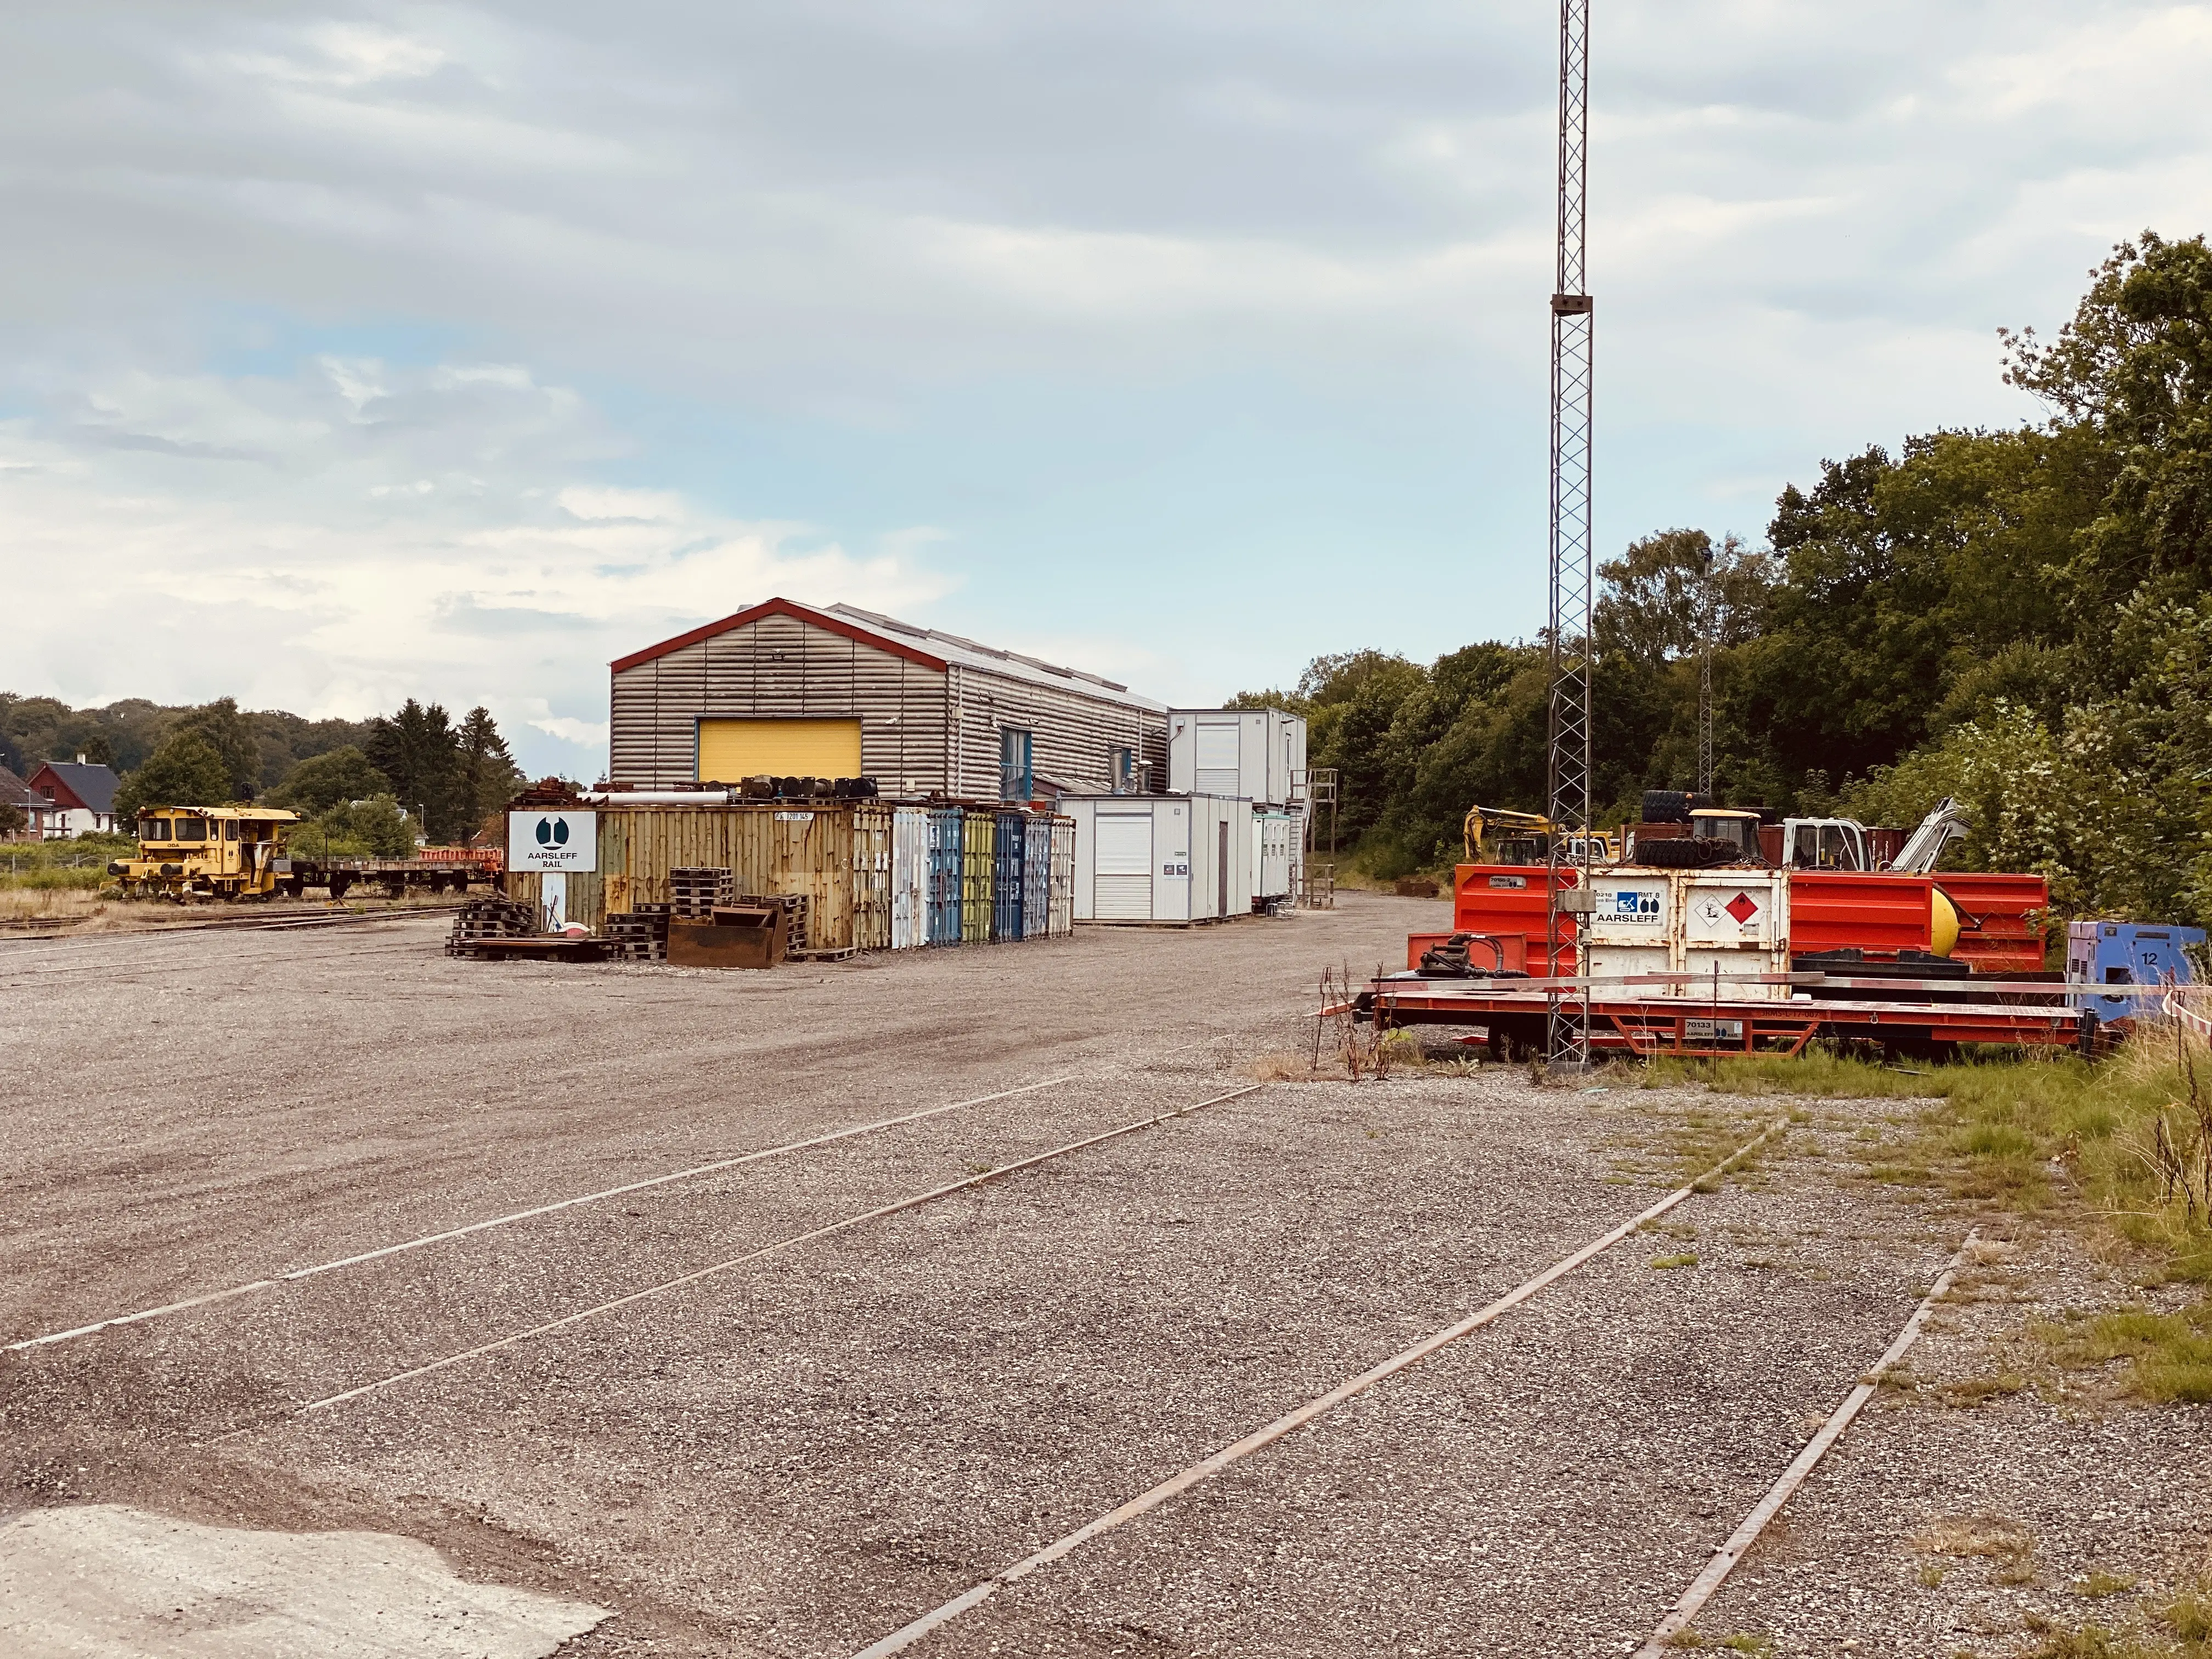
[491, 917]
[639, 935]
[795, 913]
[695, 891]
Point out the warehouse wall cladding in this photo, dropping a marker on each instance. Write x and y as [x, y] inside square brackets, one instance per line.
[782, 689]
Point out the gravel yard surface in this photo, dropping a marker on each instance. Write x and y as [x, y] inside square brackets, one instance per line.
[798, 1454]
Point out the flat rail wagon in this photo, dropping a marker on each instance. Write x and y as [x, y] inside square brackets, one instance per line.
[433, 869]
[1647, 1014]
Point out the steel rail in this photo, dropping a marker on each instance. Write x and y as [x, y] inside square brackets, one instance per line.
[1206, 1468]
[1662, 1642]
[880, 1212]
[693, 1173]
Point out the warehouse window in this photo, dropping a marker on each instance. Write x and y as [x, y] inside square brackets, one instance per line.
[1014, 772]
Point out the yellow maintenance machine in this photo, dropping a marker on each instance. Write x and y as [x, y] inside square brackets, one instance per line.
[1497, 834]
[204, 852]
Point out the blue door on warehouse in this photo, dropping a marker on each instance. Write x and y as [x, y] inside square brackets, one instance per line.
[1007, 888]
[1036, 877]
[945, 857]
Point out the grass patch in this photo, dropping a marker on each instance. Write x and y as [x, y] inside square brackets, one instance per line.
[2177, 1626]
[2169, 1355]
[1687, 1259]
[1997, 1128]
[1980, 1390]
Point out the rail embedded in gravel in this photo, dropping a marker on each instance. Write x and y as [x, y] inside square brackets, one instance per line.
[1204, 1470]
[1664, 1640]
[693, 1173]
[879, 1213]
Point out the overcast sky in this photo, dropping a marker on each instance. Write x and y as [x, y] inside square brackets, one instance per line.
[348, 353]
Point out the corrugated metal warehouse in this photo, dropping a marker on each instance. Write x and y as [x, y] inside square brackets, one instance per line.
[785, 689]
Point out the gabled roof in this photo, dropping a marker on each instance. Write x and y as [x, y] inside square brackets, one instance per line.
[14, 791]
[925, 646]
[72, 783]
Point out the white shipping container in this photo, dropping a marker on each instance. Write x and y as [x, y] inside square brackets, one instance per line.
[1254, 753]
[1695, 922]
[909, 878]
[1272, 852]
[1160, 858]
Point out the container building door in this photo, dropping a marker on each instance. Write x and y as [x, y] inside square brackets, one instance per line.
[979, 871]
[1122, 855]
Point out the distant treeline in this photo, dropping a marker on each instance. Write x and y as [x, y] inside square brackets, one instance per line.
[2019, 618]
[365, 786]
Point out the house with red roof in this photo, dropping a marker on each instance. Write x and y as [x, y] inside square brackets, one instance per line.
[79, 797]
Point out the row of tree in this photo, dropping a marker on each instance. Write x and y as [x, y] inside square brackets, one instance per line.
[415, 770]
[2022, 618]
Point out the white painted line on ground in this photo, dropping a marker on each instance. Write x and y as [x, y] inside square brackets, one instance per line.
[427, 1239]
[778, 1248]
[1716, 1569]
[899, 1640]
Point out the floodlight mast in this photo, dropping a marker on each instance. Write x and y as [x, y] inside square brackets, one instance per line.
[1567, 769]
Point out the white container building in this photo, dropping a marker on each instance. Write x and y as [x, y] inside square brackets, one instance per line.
[1691, 922]
[1257, 753]
[1161, 857]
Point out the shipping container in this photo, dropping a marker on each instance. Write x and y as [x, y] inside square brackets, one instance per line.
[978, 874]
[946, 826]
[1507, 900]
[1060, 913]
[1161, 857]
[836, 856]
[1709, 923]
[1274, 849]
[1006, 877]
[1258, 754]
[909, 878]
[1037, 875]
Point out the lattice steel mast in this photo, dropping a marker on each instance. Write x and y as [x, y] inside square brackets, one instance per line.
[1568, 768]
[1709, 622]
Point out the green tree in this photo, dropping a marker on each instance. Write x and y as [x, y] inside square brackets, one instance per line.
[230, 734]
[318, 783]
[186, 770]
[2132, 373]
[416, 748]
[375, 827]
[489, 775]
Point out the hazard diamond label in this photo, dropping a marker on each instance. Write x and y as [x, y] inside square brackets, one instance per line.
[1743, 908]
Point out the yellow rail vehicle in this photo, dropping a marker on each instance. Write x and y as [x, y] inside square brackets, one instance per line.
[210, 852]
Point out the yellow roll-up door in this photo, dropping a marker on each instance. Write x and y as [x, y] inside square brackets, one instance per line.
[730, 750]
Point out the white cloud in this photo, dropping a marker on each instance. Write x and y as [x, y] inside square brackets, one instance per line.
[332, 580]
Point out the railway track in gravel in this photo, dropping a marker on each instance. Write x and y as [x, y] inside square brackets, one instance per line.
[288, 921]
[1144, 1502]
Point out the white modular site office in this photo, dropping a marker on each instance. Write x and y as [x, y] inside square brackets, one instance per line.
[1257, 753]
[1161, 857]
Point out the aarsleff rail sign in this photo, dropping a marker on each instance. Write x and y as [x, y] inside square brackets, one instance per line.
[553, 842]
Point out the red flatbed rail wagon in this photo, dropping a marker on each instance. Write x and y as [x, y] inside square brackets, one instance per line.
[1647, 1014]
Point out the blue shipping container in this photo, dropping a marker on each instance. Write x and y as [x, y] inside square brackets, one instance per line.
[1006, 887]
[945, 847]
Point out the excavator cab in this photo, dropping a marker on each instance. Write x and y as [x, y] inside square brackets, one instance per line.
[1826, 844]
[1738, 829]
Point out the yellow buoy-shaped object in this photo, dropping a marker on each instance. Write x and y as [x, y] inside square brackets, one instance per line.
[1942, 923]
